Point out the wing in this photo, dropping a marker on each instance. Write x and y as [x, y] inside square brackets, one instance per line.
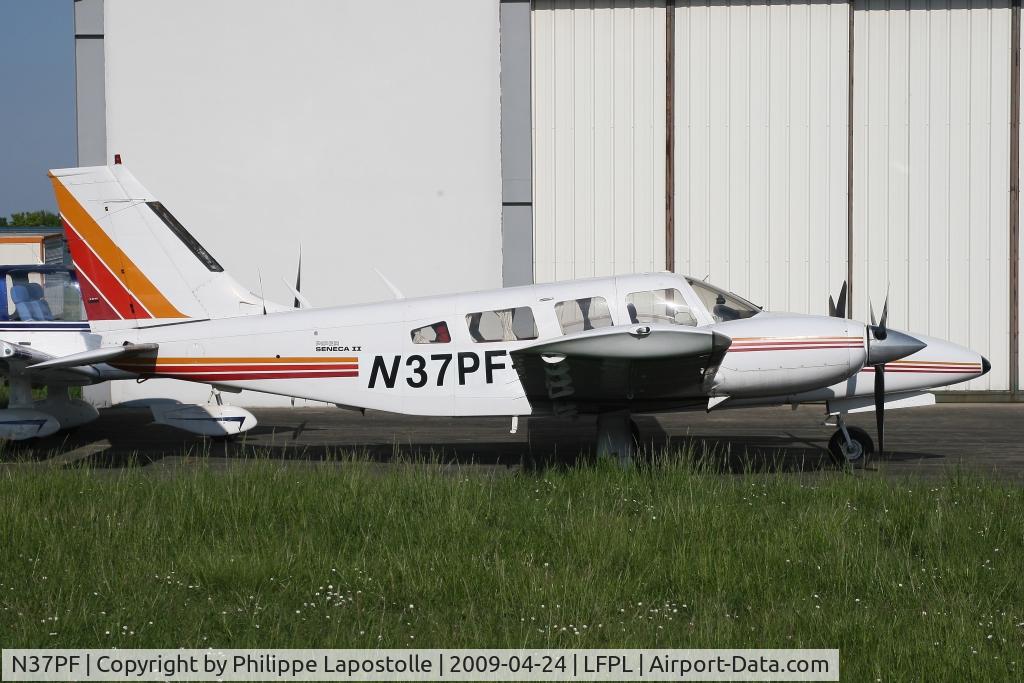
[636, 368]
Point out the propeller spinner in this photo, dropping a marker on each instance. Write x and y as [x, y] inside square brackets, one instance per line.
[885, 346]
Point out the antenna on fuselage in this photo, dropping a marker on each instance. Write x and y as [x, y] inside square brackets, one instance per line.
[263, 298]
[299, 300]
[298, 280]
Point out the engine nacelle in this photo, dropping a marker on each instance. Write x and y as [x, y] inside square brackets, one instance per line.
[775, 354]
[70, 413]
[205, 420]
[18, 424]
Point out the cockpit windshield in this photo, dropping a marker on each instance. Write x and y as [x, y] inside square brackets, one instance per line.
[723, 305]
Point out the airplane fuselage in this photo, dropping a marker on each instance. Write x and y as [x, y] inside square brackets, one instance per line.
[378, 356]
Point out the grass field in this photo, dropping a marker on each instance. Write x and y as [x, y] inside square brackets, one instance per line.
[918, 580]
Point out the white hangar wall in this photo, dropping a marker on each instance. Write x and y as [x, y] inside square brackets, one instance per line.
[367, 134]
[598, 138]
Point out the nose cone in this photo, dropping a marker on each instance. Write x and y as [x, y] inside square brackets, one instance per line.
[985, 365]
[896, 345]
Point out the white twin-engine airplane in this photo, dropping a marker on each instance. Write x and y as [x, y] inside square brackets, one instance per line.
[159, 305]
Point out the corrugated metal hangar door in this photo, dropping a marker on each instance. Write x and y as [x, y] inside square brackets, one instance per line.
[775, 194]
[599, 138]
[931, 172]
[761, 149]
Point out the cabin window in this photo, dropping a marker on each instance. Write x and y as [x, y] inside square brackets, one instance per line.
[578, 315]
[660, 306]
[436, 333]
[507, 324]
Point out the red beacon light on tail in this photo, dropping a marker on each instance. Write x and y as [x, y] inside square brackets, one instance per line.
[117, 159]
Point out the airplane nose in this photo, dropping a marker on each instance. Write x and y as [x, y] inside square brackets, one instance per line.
[985, 365]
[896, 345]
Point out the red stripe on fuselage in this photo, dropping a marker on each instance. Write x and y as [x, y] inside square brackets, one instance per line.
[278, 367]
[793, 347]
[229, 376]
[938, 371]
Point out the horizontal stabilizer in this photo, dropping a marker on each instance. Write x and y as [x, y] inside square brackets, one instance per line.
[10, 351]
[102, 355]
[19, 357]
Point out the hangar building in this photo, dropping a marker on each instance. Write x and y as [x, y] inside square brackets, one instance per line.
[778, 148]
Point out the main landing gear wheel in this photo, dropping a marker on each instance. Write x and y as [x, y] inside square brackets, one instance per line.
[856, 452]
[615, 437]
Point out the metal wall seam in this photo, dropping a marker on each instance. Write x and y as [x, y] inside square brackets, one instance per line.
[670, 147]
[1015, 208]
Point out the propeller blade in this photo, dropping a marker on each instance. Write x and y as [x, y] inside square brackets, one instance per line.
[871, 308]
[303, 302]
[885, 311]
[397, 293]
[841, 302]
[837, 307]
[880, 405]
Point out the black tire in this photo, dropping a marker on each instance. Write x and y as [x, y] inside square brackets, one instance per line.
[864, 448]
[224, 438]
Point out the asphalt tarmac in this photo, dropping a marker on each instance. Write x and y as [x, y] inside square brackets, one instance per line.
[985, 438]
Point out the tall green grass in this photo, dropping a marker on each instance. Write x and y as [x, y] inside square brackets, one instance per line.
[918, 580]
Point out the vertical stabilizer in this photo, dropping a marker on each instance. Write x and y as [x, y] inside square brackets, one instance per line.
[136, 263]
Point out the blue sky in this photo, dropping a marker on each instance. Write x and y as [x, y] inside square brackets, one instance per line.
[37, 100]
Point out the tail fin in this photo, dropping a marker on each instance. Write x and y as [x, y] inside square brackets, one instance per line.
[135, 261]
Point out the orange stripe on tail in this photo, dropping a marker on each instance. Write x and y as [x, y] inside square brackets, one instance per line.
[127, 274]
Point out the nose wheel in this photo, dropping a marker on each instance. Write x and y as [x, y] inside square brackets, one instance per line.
[851, 446]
